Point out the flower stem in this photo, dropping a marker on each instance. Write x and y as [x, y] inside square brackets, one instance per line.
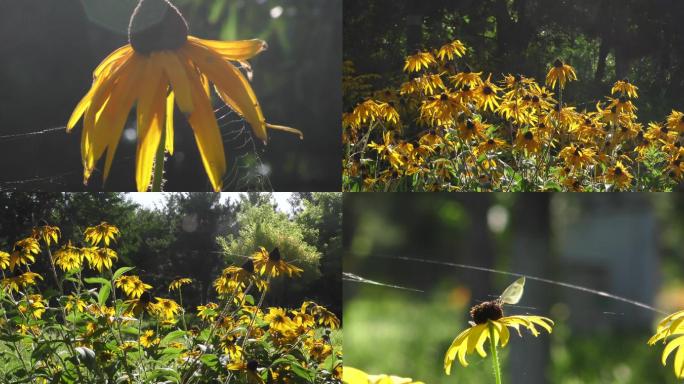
[158, 174]
[495, 355]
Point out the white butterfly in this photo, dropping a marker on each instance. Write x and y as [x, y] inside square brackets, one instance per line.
[513, 293]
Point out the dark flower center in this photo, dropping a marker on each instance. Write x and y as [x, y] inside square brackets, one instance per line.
[252, 365]
[274, 255]
[470, 125]
[490, 141]
[558, 63]
[248, 266]
[528, 135]
[535, 99]
[663, 129]
[466, 69]
[623, 99]
[489, 310]
[618, 171]
[157, 25]
[444, 97]
[526, 98]
[487, 90]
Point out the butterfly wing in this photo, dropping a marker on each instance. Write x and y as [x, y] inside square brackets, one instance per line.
[513, 293]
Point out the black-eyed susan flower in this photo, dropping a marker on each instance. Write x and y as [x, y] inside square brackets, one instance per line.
[272, 264]
[576, 156]
[487, 95]
[670, 331]
[560, 73]
[132, 286]
[69, 257]
[24, 252]
[162, 66]
[178, 283]
[418, 61]
[100, 258]
[4, 260]
[48, 233]
[675, 121]
[467, 78]
[166, 309]
[448, 51]
[147, 339]
[250, 369]
[489, 323]
[278, 320]
[619, 176]
[625, 88]
[528, 141]
[103, 232]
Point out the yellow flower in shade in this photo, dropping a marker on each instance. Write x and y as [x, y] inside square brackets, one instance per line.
[132, 286]
[420, 60]
[489, 323]
[28, 278]
[319, 350]
[100, 258]
[672, 325]
[24, 252]
[528, 141]
[561, 73]
[277, 319]
[451, 50]
[34, 304]
[103, 232]
[69, 258]
[4, 260]
[178, 283]
[577, 156]
[675, 121]
[49, 234]
[74, 303]
[356, 376]
[625, 88]
[207, 312]
[148, 340]
[326, 318]
[249, 368]
[486, 94]
[166, 309]
[162, 66]
[271, 263]
[467, 78]
[619, 176]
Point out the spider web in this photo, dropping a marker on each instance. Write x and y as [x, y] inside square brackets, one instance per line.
[246, 169]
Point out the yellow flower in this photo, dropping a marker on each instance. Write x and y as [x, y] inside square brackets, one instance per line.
[415, 63]
[167, 309]
[675, 121]
[148, 340]
[528, 141]
[486, 94]
[49, 234]
[277, 319]
[448, 51]
[161, 66]
[35, 304]
[672, 325]
[24, 252]
[207, 312]
[356, 376]
[4, 260]
[271, 263]
[100, 258]
[101, 232]
[619, 176]
[467, 78]
[178, 283]
[625, 88]
[28, 278]
[132, 286]
[577, 156]
[249, 368]
[75, 303]
[560, 73]
[489, 323]
[69, 258]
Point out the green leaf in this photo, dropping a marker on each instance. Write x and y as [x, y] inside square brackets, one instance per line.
[210, 360]
[119, 272]
[103, 295]
[96, 280]
[172, 336]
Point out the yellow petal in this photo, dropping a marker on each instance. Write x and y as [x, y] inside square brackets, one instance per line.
[112, 58]
[179, 76]
[671, 346]
[233, 50]
[168, 140]
[207, 134]
[78, 111]
[151, 112]
[231, 86]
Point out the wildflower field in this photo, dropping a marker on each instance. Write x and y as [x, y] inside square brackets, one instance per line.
[90, 318]
[450, 127]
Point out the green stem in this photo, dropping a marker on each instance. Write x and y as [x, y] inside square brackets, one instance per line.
[158, 174]
[495, 355]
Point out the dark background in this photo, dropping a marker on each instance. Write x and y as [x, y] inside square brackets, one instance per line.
[50, 47]
[605, 40]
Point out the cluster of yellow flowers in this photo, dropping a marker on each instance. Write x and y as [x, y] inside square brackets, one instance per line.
[236, 336]
[451, 128]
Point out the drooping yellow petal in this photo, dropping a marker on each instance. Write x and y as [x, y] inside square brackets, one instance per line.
[110, 122]
[180, 82]
[233, 50]
[231, 86]
[78, 111]
[207, 133]
[168, 140]
[112, 59]
[151, 112]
